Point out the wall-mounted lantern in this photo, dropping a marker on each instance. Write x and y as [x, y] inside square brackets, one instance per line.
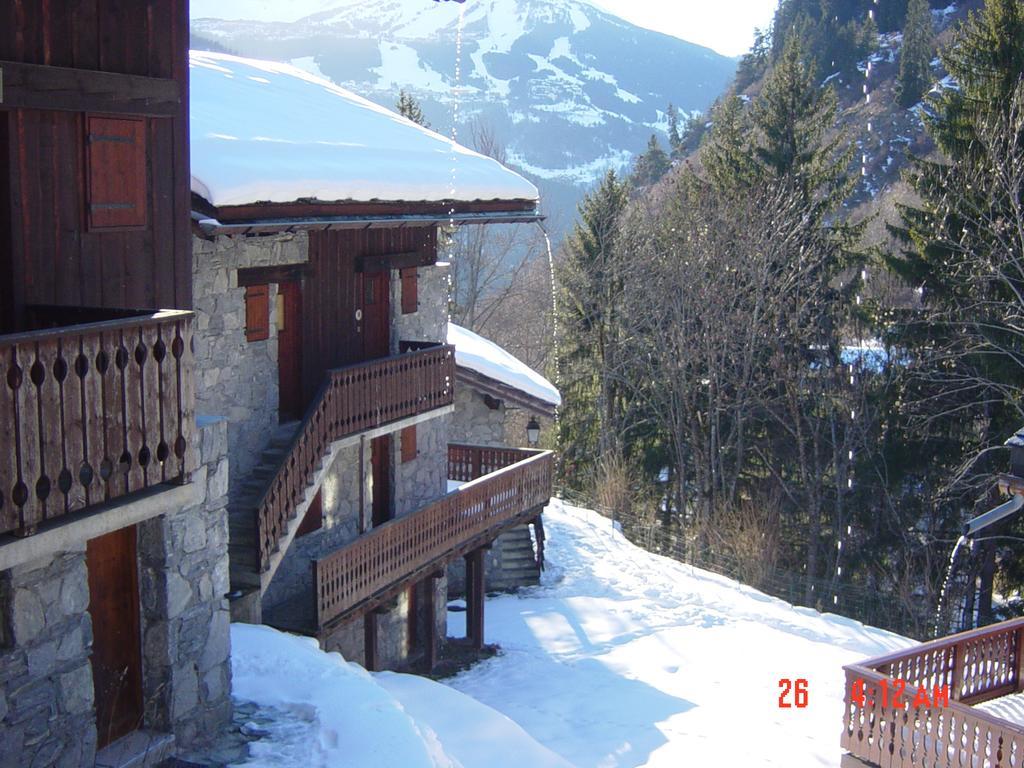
[532, 431]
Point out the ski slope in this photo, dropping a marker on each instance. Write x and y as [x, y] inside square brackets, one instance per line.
[619, 658]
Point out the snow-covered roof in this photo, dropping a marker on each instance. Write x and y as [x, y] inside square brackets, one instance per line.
[263, 131]
[488, 359]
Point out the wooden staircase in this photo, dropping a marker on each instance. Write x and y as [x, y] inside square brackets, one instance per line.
[354, 400]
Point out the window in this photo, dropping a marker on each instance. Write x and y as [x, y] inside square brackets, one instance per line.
[116, 172]
[410, 293]
[257, 312]
[409, 451]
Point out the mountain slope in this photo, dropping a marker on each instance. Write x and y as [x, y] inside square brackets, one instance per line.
[569, 89]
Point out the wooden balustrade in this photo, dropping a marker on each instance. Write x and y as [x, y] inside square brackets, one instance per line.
[468, 462]
[973, 666]
[93, 412]
[397, 551]
[354, 399]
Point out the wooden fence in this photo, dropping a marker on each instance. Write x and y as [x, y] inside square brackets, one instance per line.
[468, 462]
[93, 412]
[973, 667]
[395, 552]
[354, 399]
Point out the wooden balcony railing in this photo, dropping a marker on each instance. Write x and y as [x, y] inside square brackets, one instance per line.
[468, 462]
[93, 412]
[401, 549]
[354, 399]
[974, 667]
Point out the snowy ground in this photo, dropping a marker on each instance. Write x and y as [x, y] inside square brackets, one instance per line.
[620, 658]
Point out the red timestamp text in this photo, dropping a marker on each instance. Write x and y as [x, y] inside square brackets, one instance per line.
[793, 693]
[893, 692]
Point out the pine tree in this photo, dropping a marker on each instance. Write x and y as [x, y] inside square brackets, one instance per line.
[675, 136]
[916, 54]
[726, 152]
[791, 118]
[408, 106]
[963, 248]
[590, 330]
[651, 166]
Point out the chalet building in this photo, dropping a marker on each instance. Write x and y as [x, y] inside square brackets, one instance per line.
[956, 700]
[321, 319]
[114, 636]
[491, 388]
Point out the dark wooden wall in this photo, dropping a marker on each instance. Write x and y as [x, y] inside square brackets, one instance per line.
[48, 254]
[332, 291]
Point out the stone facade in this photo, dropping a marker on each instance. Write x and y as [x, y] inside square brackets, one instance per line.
[430, 320]
[47, 715]
[474, 421]
[46, 692]
[341, 524]
[237, 378]
[183, 562]
[425, 478]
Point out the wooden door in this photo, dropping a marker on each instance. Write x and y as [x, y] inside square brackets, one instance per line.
[380, 468]
[289, 351]
[376, 314]
[116, 644]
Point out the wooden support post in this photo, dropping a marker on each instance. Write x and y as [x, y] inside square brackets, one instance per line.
[475, 598]
[538, 532]
[370, 641]
[430, 636]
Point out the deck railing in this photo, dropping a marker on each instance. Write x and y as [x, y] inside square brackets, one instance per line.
[887, 730]
[93, 412]
[468, 462]
[354, 399]
[397, 551]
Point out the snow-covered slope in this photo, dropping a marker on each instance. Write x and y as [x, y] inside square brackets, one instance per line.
[620, 658]
[318, 711]
[623, 658]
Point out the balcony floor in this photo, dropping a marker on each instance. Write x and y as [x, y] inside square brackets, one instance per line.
[1007, 707]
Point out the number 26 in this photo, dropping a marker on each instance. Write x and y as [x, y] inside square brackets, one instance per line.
[799, 690]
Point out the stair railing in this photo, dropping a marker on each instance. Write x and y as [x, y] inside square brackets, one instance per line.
[353, 399]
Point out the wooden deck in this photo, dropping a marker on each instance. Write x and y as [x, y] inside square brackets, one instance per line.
[93, 412]
[979, 666]
[369, 570]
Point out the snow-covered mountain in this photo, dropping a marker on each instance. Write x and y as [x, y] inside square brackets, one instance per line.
[569, 89]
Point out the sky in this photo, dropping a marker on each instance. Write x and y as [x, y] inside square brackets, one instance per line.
[726, 26]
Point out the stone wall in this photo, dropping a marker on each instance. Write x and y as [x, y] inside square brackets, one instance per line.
[46, 693]
[340, 499]
[47, 716]
[474, 422]
[425, 478]
[430, 321]
[183, 563]
[237, 378]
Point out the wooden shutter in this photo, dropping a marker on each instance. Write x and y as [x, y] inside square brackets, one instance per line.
[410, 291]
[257, 312]
[116, 160]
[409, 444]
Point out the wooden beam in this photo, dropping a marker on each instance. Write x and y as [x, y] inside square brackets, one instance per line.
[395, 261]
[430, 639]
[285, 273]
[34, 86]
[475, 596]
[306, 210]
[485, 385]
[370, 641]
